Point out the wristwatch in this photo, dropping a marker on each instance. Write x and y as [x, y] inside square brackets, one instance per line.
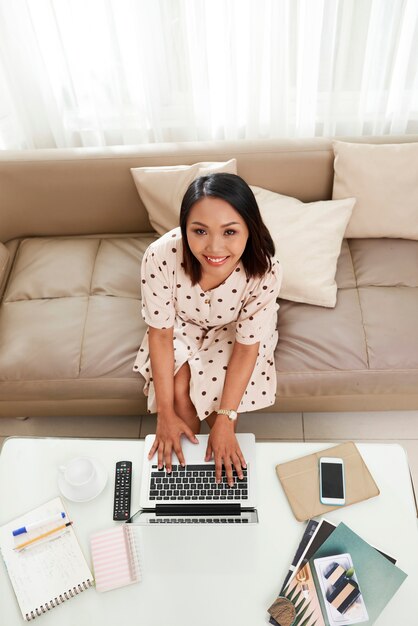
[229, 412]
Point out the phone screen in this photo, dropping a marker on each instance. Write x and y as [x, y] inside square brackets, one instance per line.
[332, 480]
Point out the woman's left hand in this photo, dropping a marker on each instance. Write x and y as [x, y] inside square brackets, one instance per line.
[223, 445]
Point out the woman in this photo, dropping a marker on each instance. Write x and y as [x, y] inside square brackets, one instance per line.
[209, 292]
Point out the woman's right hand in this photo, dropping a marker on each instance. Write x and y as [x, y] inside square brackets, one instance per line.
[170, 427]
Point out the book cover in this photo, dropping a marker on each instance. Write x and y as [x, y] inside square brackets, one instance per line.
[115, 557]
[321, 533]
[310, 530]
[302, 592]
[298, 585]
[353, 580]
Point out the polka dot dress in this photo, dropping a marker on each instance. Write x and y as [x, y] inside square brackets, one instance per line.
[206, 325]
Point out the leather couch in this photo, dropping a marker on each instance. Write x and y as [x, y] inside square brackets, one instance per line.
[74, 229]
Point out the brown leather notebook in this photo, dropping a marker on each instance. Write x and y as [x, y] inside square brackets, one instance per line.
[300, 481]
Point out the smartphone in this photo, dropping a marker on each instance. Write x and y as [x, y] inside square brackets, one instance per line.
[331, 481]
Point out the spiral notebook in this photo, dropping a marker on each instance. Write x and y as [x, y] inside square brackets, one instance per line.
[115, 557]
[48, 572]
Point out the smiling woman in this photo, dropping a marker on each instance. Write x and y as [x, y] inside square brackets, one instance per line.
[220, 202]
[209, 291]
[217, 247]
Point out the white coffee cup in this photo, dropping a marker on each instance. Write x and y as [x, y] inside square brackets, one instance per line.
[81, 478]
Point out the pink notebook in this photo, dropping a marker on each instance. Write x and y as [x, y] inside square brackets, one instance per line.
[115, 558]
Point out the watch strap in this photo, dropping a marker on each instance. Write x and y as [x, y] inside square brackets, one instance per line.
[229, 413]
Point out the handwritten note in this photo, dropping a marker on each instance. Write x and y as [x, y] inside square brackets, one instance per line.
[46, 573]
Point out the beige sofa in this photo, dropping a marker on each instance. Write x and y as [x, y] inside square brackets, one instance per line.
[74, 231]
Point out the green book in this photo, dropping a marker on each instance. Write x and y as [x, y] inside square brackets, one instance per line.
[354, 581]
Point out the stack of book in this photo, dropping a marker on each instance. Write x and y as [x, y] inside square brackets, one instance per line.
[337, 579]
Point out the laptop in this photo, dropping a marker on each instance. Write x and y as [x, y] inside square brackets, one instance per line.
[190, 495]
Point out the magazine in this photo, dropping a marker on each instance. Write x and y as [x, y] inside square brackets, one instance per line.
[302, 591]
[353, 580]
[310, 530]
[320, 534]
[299, 584]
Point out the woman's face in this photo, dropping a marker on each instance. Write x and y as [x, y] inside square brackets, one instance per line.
[217, 235]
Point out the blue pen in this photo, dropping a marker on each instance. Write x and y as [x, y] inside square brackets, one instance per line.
[46, 520]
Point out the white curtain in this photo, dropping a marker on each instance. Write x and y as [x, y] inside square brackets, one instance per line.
[107, 72]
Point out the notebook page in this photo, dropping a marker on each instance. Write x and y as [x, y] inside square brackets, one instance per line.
[115, 560]
[49, 572]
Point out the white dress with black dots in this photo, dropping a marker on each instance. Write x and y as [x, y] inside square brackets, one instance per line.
[206, 325]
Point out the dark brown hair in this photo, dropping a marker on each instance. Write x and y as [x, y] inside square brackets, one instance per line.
[257, 254]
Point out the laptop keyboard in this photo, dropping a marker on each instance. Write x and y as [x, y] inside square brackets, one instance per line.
[195, 483]
[198, 520]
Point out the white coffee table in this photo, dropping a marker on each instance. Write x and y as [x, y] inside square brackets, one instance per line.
[204, 574]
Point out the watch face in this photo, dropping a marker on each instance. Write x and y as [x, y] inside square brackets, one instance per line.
[233, 415]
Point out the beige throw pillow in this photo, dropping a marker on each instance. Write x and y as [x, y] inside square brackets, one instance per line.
[308, 238]
[162, 189]
[383, 178]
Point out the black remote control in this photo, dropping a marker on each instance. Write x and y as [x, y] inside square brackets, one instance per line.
[122, 497]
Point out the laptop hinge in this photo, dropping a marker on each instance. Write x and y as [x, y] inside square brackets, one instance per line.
[198, 509]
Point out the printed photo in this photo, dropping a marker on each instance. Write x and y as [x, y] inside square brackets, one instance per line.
[302, 592]
[341, 591]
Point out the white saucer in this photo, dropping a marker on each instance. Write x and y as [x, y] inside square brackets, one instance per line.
[71, 493]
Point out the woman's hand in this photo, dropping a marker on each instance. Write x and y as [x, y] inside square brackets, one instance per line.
[170, 427]
[223, 445]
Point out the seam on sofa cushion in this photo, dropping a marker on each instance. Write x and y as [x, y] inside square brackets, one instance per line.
[342, 396]
[5, 278]
[82, 381]
[87, 308]
[284, 373]
[87, 381]
[12, 262]
[359, 303]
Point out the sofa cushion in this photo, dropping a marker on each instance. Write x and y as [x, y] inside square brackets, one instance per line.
[41, 338]
[368, 344]
[308, 240]
[390, 317]
[385, 262]
[70, 319]
[311, 339]
[162, 188]
[383, 179]
[52, 268]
